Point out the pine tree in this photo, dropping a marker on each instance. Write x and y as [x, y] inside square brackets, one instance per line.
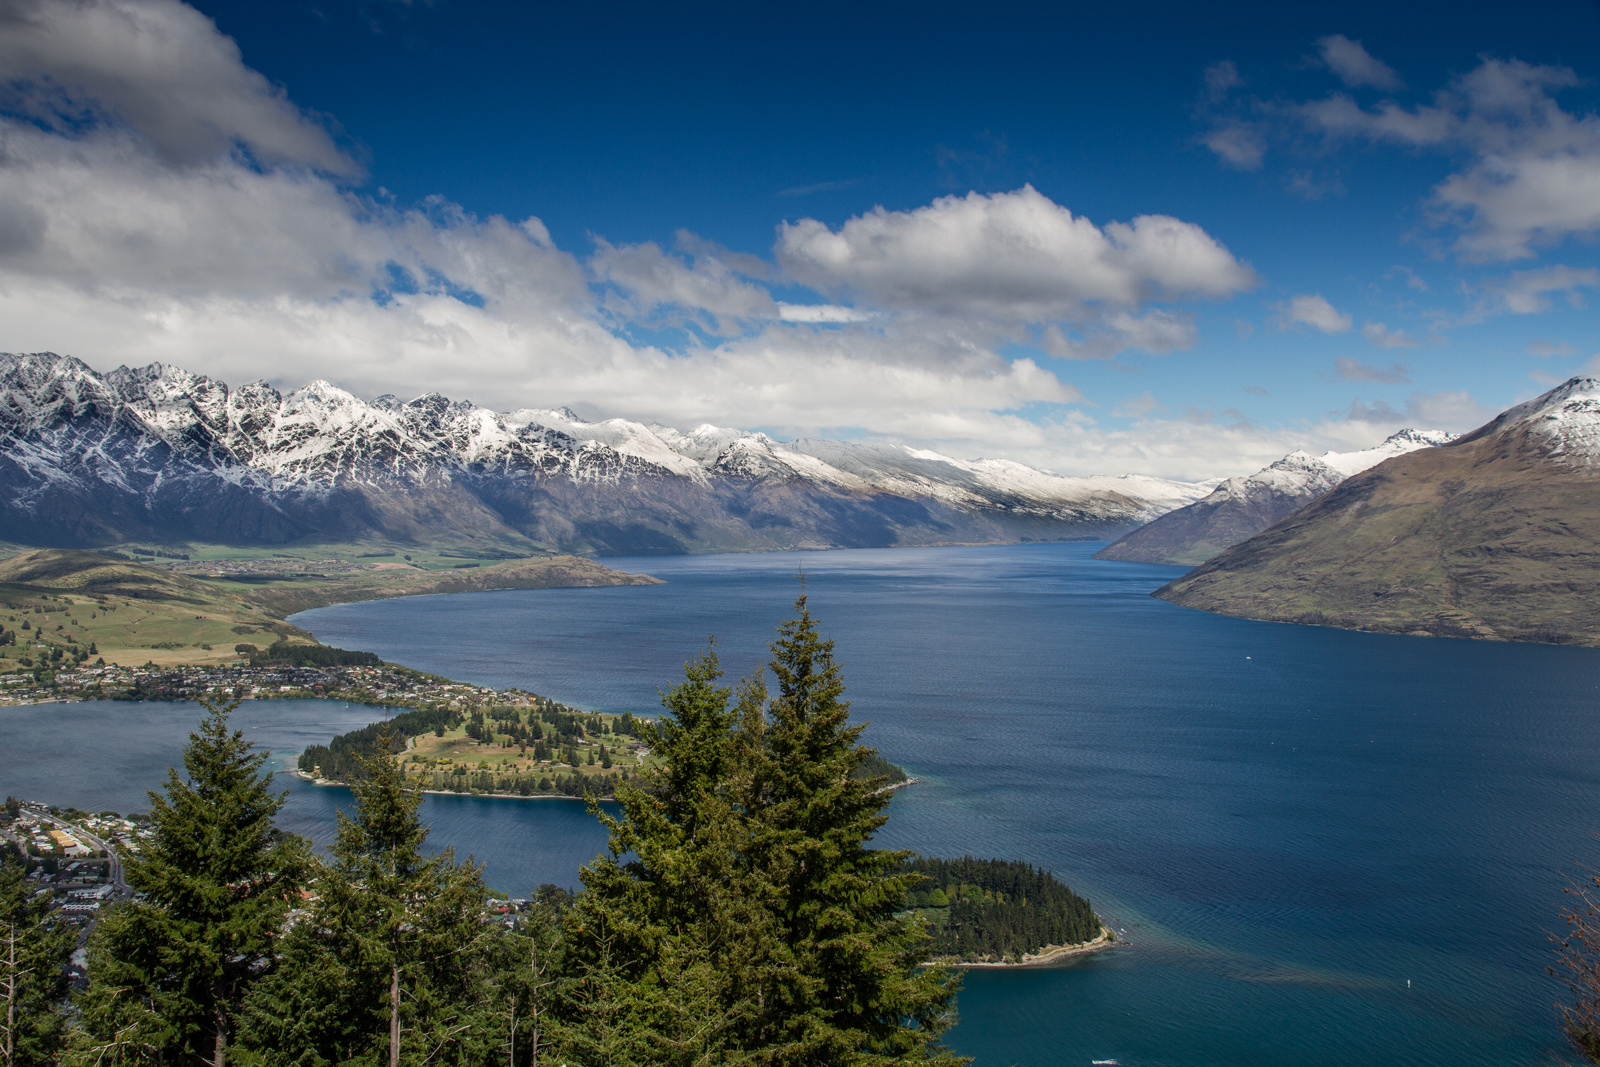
[33, 977]
[391, 964]
[168, 972]
[653, 939]
[854, 992]
[526, 965]
[740, 916]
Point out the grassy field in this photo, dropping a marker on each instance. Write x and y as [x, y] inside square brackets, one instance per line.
[125, 612]
[430, 754]
[172, 611]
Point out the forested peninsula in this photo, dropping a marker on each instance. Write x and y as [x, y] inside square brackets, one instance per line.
[993, 911]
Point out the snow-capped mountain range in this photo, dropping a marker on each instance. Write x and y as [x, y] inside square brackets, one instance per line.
[157, 452]
[1240, 508]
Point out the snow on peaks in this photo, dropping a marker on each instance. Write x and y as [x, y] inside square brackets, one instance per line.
[318, 435]
[1568, 417]
[1396, 444]
[1301, 473]
[1296, 474]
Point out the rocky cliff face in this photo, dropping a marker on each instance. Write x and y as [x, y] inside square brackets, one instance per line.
[1240, 508]
[160, 453]
[1495, 535]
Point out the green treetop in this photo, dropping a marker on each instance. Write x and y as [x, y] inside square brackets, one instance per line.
[390, 965]
[740, 916]
[169, 971]
[856, 993]
[33, 981]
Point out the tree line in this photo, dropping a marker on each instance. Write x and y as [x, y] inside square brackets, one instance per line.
[738, 916]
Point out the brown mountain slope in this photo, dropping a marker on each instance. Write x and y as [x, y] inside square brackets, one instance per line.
[1496, 536]
[1240, 508]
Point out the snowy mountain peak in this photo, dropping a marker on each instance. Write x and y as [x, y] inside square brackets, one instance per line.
[1396, 444]
[1567, 418]
[1418, 438]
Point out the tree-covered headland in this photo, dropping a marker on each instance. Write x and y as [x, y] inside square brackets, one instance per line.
[996, 910]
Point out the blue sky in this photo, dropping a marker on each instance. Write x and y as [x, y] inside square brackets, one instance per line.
[1101, 239]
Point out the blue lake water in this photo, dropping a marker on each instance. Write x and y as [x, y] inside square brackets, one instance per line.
[1291, 823]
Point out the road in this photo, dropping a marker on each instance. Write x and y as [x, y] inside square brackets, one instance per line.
[94, 841]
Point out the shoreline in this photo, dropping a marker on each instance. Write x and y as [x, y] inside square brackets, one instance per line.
[303, 776]
[1052, 954]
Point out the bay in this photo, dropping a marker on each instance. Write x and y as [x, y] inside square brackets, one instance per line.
[1324, 846]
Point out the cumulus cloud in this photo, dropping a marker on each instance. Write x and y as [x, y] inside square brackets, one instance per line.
[1353, 370]
[161, 201]
[1354, 65]
[1238, 144]
[1380, 336]
[1312, 309]
[1453, 410]
[1138, 406]
[820, 313]
[1010, 257]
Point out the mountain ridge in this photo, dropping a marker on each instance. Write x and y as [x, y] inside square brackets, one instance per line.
[158, 452]
[1242, 507]
[1495, 536]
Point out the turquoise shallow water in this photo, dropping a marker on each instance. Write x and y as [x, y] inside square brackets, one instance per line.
[1291, 823]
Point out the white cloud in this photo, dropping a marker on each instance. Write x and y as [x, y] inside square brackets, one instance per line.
[1546, 349]
[1453, 410]
[159, 69]
[1239, 144]
[1380, 336]
[1533, 176]
[140, 240]
[1156, 331]
[820, 313]
[1010, 257]
[199, 218]
[1527, 292]
[1221, 78]
[1314, 310]
[649, 280]
[1354, 65]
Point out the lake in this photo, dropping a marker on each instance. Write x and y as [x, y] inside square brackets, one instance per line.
[1324, 846]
